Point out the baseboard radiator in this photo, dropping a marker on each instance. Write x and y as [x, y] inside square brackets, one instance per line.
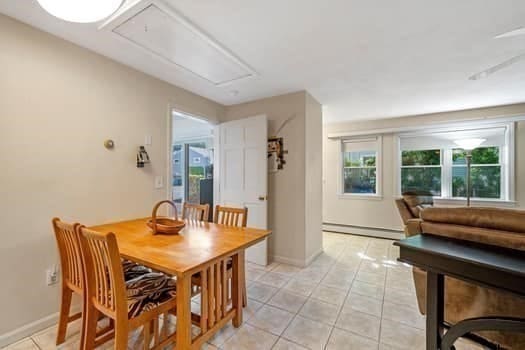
[363, 231]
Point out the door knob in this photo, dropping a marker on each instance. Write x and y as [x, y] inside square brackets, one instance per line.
[263, 198]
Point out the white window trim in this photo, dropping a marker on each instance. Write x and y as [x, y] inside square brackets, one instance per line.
[379, 170]
[507, 161]
[476, 202]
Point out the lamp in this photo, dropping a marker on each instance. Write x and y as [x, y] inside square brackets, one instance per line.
[81, 11]
[468, 145]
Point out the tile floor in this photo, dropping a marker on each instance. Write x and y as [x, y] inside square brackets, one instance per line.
[353, 296]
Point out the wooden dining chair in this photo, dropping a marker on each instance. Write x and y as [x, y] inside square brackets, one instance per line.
[237, 217]
[129, 304]
[72, 273]
[230, 216]
[72, 268]
[197, 212]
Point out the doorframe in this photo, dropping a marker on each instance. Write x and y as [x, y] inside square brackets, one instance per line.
[168, 147]
[216, 165]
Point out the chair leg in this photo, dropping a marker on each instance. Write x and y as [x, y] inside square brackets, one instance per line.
[244, 292]
[244, 296]
[147, 334]
[228, 291]
[90, 327]
[63, 321]
[122, 334]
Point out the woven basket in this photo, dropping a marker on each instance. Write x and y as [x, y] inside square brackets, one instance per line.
[163, 225]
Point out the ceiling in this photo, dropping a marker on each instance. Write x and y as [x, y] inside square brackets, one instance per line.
[362, 59]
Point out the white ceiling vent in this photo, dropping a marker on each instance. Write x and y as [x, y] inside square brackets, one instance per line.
[165, 33]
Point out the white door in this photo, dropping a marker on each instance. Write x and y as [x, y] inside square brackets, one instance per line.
[242, 170]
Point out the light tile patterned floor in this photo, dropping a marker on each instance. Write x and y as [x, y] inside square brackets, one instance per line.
[353, 296]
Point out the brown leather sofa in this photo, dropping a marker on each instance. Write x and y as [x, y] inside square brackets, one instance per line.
[499, 227]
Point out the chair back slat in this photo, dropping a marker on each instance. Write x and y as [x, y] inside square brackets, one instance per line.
[104, 275]
[231, 216]
[70, 256]
[197, 212]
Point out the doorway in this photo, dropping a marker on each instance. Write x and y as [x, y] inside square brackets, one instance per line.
[223, 164]
[192, 157]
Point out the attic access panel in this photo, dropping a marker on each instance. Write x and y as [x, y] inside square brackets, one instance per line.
[167, 35]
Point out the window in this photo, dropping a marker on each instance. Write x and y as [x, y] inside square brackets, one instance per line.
[360, 167]
[485, 173]
[421, 171]
[360, 172]
[431, 162]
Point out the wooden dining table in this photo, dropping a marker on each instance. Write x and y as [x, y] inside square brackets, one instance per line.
[200, 249]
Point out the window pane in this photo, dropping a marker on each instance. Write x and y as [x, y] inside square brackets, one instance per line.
[421, 180]
[482, 155]
[360, 180]
[428, 157]
[360, 159]
[486, 181]
[178, 174]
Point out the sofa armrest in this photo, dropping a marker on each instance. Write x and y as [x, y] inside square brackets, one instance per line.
[413, 227]
[403, 210]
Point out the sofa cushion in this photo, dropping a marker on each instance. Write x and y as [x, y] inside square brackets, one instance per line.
[489, 218]
[148, 291]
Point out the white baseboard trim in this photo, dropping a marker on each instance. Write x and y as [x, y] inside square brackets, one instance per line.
[289, 261]
[32, 328]
[312, 257]
[27, 330]
[363, 231]
[296, 262]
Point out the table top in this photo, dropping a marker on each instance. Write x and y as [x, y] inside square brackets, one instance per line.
[510, 261]
[489, 265]
[195, 245]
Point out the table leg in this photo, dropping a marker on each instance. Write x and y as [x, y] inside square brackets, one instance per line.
[183, 312]
[435, 309]
[237, 287]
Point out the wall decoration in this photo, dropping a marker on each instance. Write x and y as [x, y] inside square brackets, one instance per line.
[276, 149]
[142, 157]
[276, 154]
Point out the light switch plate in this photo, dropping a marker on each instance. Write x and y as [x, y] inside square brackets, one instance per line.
[159, 181]
[147, 140]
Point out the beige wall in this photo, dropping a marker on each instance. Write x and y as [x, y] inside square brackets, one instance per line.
[287, 203]
[382, 213]
[58, 103]
[314, 173]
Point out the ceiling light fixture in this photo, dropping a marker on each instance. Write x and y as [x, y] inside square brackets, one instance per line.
[498, 67]
[469, 144]
[515, 32]
[81, 11]
[504, 64]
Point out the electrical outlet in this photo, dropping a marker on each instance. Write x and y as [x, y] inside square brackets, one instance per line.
[52, 276]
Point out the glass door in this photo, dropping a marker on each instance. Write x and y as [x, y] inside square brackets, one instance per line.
[178, 182]
[193, 172]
